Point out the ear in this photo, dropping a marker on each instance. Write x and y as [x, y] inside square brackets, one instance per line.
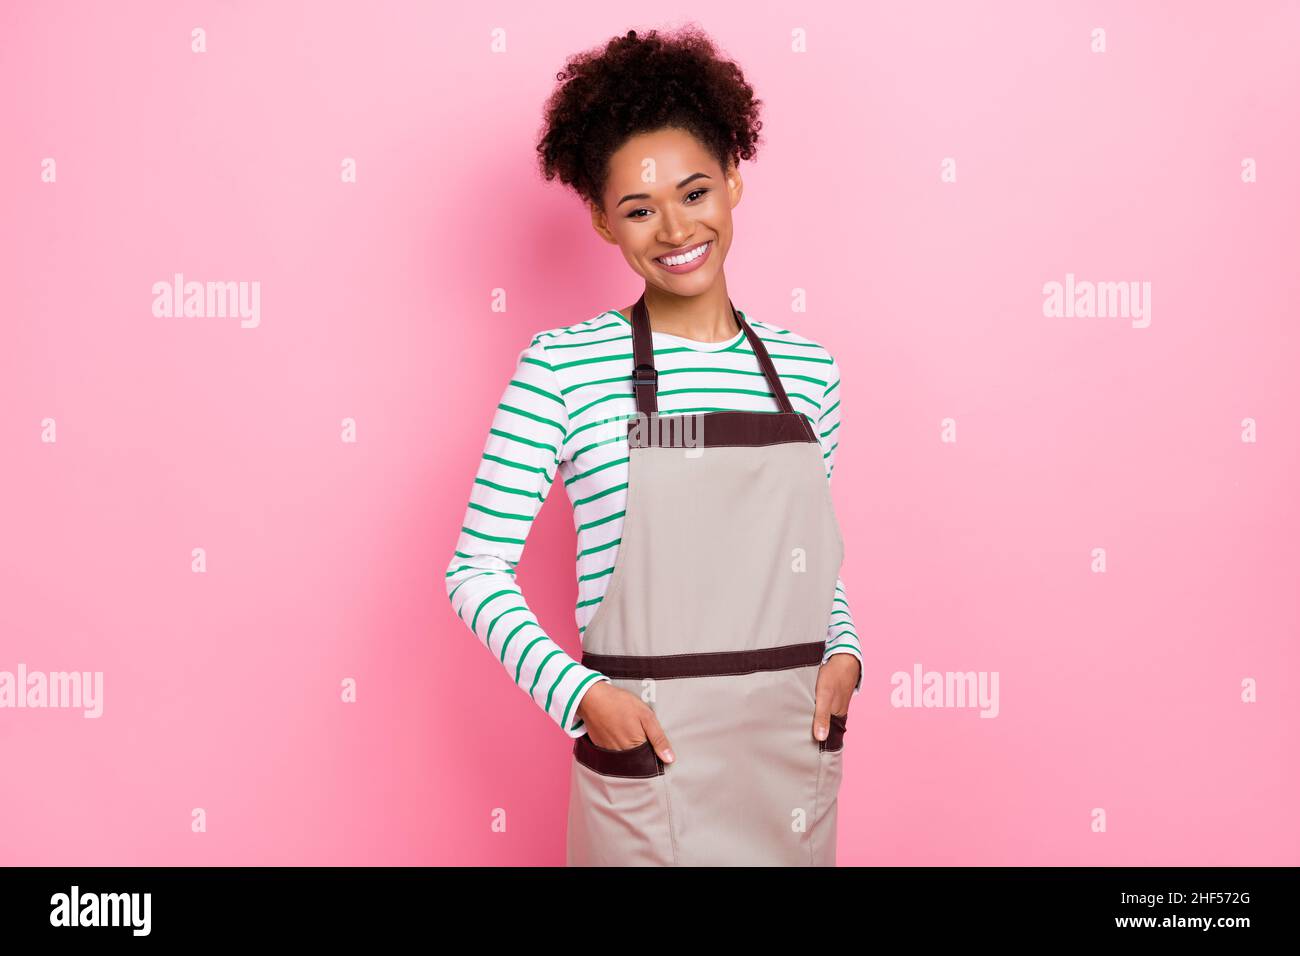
[600, 223]
[735, 184]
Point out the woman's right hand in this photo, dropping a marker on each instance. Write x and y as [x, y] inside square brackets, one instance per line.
[619, 720]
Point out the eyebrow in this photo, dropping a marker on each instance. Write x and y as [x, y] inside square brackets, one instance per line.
[689, 179]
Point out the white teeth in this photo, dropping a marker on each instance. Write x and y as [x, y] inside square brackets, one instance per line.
[688, 257]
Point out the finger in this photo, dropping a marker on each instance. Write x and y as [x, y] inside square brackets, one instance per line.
[822, 711]
[658, 739]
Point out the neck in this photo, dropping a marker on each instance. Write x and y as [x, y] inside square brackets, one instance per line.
[705, 317]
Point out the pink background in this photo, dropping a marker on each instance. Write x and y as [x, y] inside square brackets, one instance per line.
[325, 560]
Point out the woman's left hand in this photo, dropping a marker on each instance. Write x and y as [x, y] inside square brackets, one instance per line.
[835, 682]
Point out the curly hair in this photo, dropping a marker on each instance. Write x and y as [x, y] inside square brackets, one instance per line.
[640, 83]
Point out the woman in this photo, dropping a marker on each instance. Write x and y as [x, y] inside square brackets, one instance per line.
[719, 655]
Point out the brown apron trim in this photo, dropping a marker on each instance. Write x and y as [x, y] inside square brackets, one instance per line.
[645, 377]
[717, 429]
[835, 739]
[713, 664]
[639, 761]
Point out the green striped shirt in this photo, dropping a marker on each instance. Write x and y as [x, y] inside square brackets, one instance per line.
[563, 413]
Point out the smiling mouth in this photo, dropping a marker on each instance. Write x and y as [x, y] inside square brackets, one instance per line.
[689, 254]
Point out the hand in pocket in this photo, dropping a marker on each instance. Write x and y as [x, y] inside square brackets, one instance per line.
[836, 680]
[619, 720]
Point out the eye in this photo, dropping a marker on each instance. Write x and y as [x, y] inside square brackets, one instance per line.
[693, 192]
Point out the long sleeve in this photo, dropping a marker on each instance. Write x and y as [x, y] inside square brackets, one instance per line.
[841, 636]
[523, 450]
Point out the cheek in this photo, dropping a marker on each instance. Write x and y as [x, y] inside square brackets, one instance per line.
[628, 242]
[632, 257]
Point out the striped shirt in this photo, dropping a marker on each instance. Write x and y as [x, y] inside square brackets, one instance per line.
[564, 412]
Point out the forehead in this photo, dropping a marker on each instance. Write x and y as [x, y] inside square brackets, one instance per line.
[669, 153]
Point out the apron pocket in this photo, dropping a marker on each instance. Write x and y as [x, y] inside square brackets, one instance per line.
[618, 807]
[638, 761]
[835, 738]
[829, 776]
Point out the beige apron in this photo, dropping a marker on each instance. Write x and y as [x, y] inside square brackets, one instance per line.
[716, 615]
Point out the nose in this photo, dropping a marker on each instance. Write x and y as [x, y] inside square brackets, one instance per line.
[677, 228]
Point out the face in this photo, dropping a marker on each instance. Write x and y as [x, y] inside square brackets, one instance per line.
[667, 196]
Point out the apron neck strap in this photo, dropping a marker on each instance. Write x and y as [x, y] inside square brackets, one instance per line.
[645, 377]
